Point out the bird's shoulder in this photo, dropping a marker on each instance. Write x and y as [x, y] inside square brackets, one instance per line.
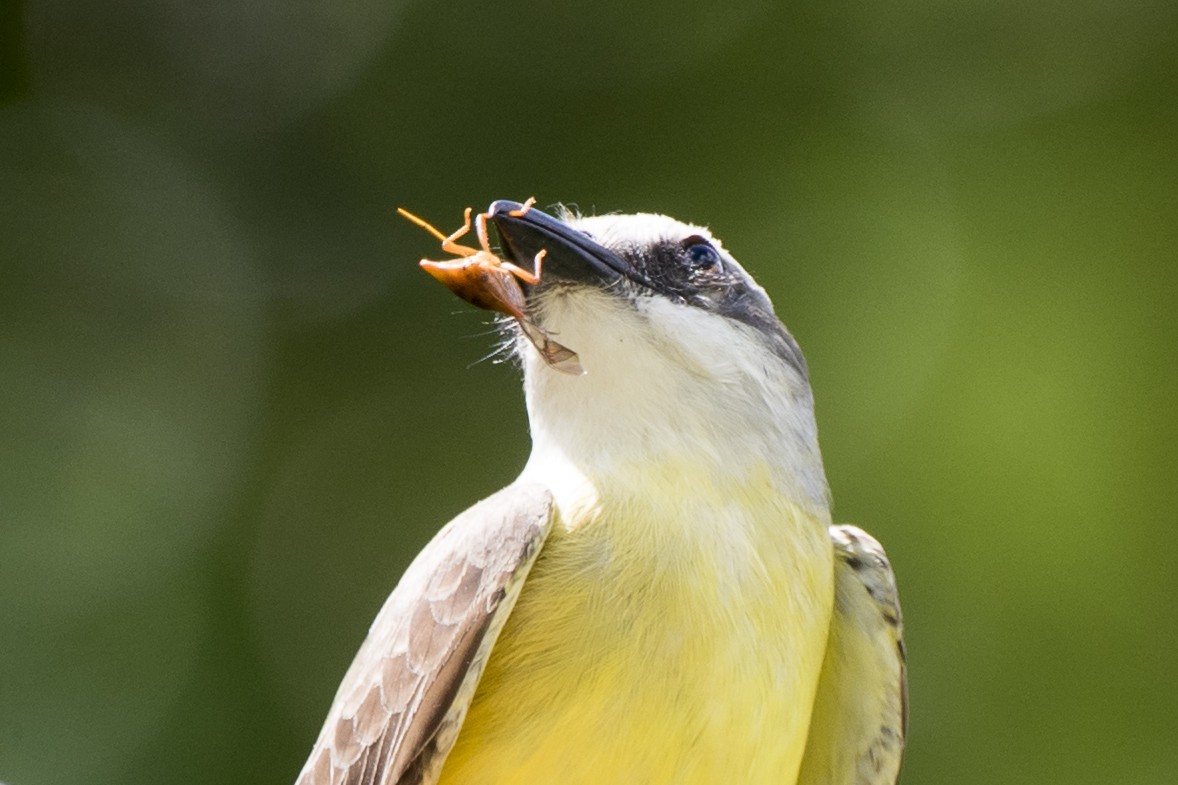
[398, 709]
[860, 717]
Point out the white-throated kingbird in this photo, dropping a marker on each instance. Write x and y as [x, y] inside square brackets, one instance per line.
[660, 598]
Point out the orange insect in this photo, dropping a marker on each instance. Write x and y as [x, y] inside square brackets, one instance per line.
[488, 282]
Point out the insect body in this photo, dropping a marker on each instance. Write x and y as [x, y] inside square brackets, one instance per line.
[493, 284]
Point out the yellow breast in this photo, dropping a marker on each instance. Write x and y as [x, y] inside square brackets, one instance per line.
[678, 644]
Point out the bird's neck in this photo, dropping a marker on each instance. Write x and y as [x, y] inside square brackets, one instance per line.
[594, 442]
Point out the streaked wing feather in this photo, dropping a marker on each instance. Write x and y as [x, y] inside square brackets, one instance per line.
[860, 716]
[400, 706]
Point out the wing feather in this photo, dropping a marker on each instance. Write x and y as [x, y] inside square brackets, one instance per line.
[398, 710]
[860, 715]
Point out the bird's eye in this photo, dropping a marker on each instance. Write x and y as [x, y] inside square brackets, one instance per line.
[701, 255]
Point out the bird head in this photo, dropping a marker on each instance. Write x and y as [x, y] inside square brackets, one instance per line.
[681, 347]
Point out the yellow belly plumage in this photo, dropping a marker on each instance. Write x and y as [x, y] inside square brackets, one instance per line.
[648, 646]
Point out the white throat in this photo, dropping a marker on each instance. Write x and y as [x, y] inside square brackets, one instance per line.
[668, 388]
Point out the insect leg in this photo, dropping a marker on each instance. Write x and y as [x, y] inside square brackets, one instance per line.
[527, 206]
[525, 275]
[480, 228]
[450, 246]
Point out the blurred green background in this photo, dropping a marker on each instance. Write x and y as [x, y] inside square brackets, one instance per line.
[232, 408]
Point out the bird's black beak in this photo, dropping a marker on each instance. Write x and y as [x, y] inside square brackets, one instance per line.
[570, 255]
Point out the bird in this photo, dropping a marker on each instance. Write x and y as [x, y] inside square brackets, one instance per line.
[661, 596]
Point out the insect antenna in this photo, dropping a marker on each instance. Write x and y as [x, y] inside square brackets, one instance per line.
[424, 224]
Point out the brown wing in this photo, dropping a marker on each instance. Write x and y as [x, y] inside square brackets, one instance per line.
[860, 715]
[400, 706]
